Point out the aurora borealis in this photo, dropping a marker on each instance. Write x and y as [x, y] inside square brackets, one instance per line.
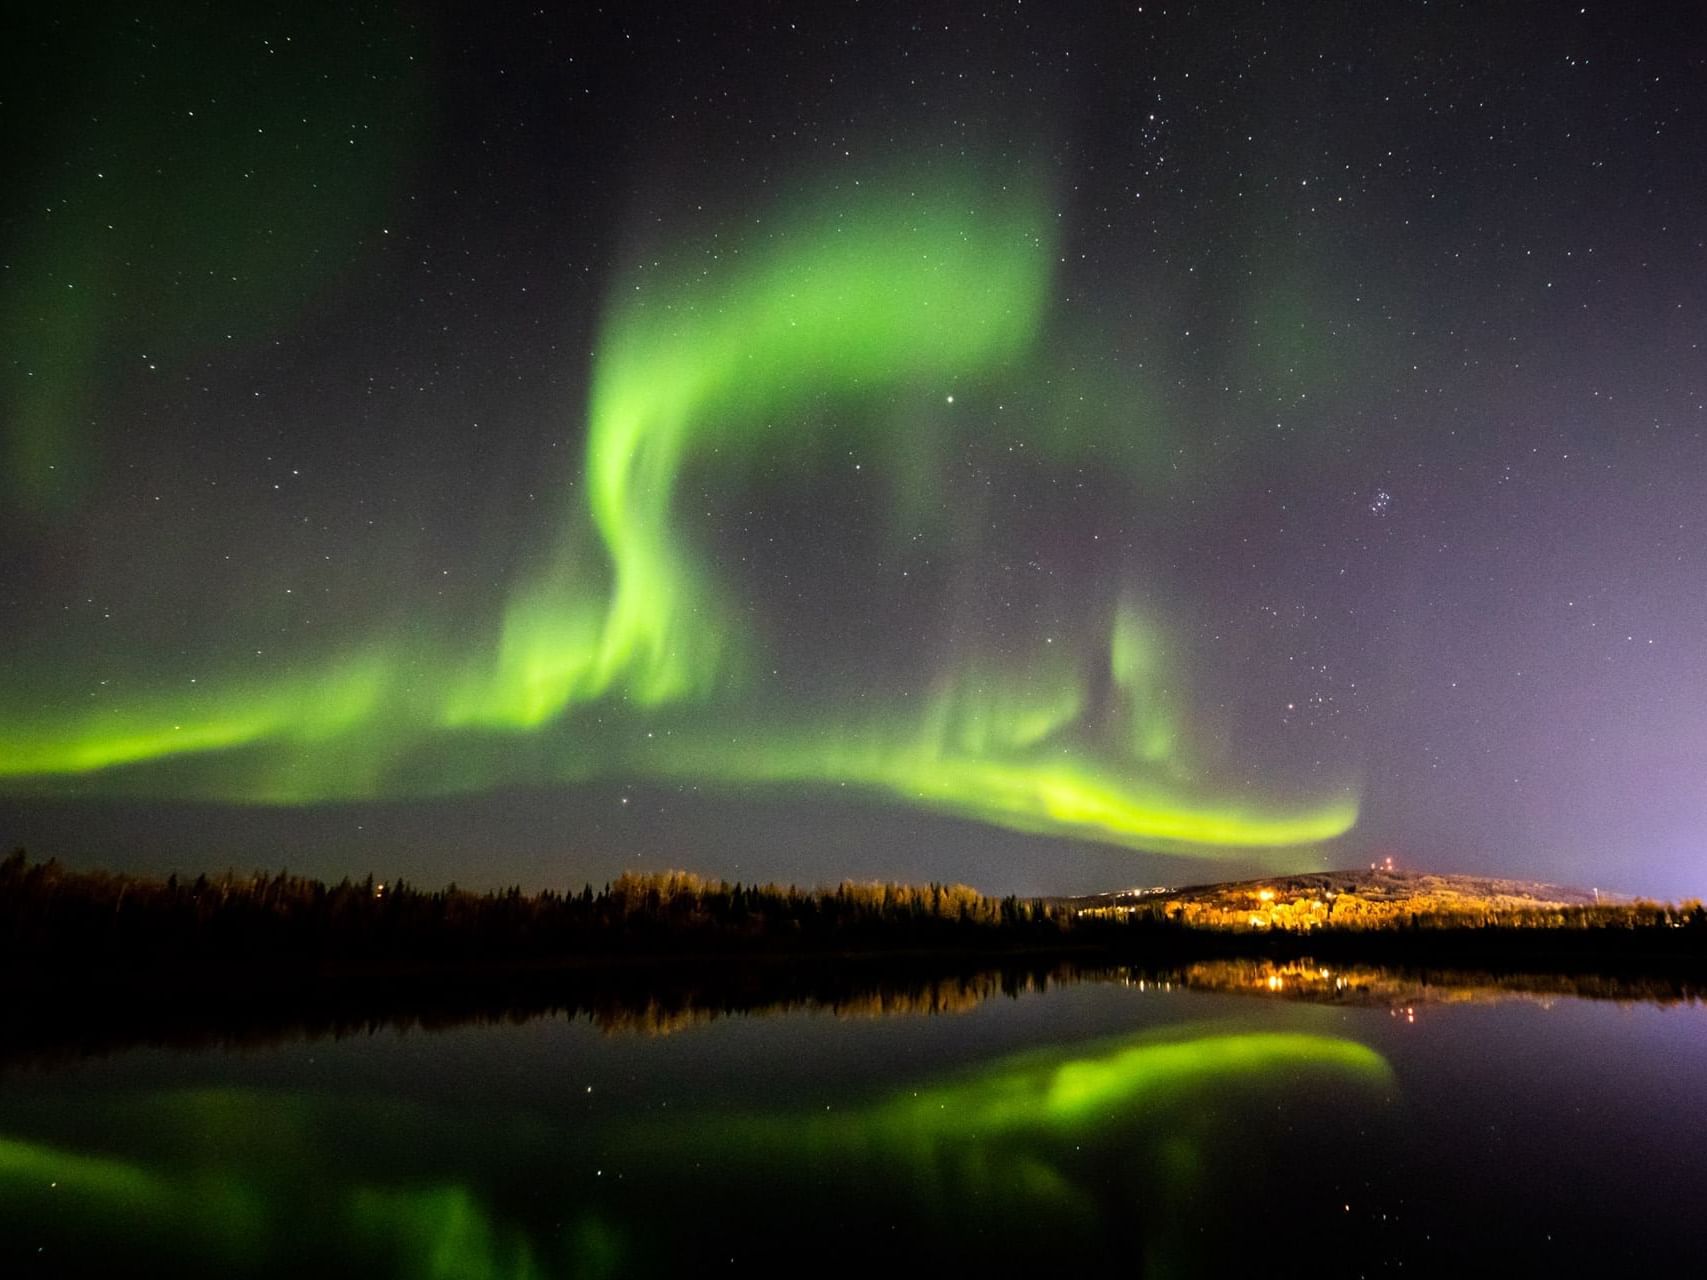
[1048, 451]
[619, 611]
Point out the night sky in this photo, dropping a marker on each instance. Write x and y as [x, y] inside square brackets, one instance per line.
[1054, 446]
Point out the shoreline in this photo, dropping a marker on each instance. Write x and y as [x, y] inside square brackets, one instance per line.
[60, 1017]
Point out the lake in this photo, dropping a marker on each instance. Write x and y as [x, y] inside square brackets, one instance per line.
[1196, 1122]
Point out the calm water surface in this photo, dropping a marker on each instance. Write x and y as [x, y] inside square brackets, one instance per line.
[1155, 1129]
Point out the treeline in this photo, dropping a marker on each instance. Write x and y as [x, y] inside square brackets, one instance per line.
[51, 915]
[55, 921]
[1257, 911]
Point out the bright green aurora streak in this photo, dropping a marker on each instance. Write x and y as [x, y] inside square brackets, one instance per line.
[851, 307]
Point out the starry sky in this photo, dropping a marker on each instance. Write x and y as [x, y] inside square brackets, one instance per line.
[1051, 446]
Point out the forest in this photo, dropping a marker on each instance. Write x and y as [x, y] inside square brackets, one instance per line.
[90, 919]
[1241, 909]
[57, 921]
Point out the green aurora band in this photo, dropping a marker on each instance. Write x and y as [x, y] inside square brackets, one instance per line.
[852, 306]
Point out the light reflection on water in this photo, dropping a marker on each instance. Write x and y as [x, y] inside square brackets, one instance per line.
[1145, 1120]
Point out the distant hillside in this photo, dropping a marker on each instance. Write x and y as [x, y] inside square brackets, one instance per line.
[1343, 898]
